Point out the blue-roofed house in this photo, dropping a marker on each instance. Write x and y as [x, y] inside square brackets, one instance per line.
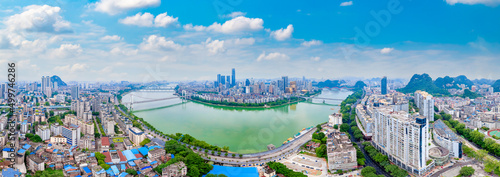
[123, 174]
[115, 170]
[129, 155]
[86, 170]
[123, 167]
[27, 146]
[10, 172]
[144, 151]
[110, 172]
[21, 151]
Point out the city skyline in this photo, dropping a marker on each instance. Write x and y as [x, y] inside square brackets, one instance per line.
[105, 41]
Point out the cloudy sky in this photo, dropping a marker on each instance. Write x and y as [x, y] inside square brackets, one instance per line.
[145, 40]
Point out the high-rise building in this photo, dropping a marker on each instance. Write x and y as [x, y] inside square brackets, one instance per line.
[46, 83]
[383, 85]
[285, 82]
[403, 138]
[223, 80]
[3, 90]
[247, 82]
[136, 135]
[218, 80]
[72, 134]
[43, 132]
[75, 92]
[228, 80]
[233, 78]
[425, 104]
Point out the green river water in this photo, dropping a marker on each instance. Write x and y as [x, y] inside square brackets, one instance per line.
[242, 130]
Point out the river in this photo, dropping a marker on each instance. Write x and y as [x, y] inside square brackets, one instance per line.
[242, 130]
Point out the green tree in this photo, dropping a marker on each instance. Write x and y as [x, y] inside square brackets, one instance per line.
[321, 151]
[368, 170]
[193, 171]
[344, 127]
[467, 171]
[336, 126]
[131, 171]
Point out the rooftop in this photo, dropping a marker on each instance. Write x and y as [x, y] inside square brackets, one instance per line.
[444, 131]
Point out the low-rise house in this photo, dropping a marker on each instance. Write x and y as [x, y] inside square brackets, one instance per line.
[35, 163]
[156, 153]
[175, 170]
[341, 154]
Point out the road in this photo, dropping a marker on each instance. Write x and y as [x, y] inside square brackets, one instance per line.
[460, 164]
[97, 125]
[368, 160]
[261, 157]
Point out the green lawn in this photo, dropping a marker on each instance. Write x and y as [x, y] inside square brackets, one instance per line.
[118, 140]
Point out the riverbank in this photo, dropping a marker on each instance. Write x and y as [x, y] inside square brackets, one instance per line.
[244, 107]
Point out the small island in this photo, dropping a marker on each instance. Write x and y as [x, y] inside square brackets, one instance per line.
[279, 102]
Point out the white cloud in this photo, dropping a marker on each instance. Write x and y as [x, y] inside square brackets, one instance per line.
[77, 67]
[139, 19]
[315, 58]
[235, 25]
[272, 56]
[386, 50]
[123, 51]
[27, 65]
[66, 50]
[155, 42]
[348, 3]
[472, 2]
[215, 46]
[163, 20]
[148, 20]
[113, 7]
[111, 38]
[235, 14]
[311, 43]
[241, 41]
[190, 27]
[37, 18]
[167, 58]
[283, 34]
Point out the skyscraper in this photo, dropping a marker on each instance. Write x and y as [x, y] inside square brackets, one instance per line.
[218, 80]
[75, 92]
[247, 82]
[223, 80]
[45, 83]
[228, 80]
[383, 85]
[285, 82]
[233, 78]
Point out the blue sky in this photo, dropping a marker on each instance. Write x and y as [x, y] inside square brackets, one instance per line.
[143, 40]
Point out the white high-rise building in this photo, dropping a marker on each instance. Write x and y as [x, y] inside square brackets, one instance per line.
[403, 138]
[425, 104]
[43, 132]
[72, 133]
[55, 129]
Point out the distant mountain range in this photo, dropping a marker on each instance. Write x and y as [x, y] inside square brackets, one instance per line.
[496, 86]
[330, 83]
[57, 79]
[423, 82]
[453, 82]
[441, 85]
